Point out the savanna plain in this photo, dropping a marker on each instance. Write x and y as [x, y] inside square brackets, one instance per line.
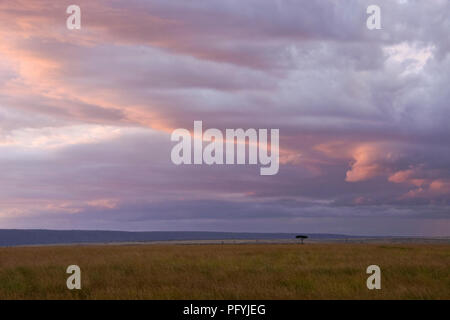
[230, 271]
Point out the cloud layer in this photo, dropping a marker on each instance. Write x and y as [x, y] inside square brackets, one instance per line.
[86, 115]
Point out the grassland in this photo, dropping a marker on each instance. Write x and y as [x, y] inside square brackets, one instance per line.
[312, 271]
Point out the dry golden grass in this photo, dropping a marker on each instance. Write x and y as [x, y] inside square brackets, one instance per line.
[312, 271]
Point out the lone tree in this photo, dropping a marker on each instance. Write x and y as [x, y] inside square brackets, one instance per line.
[301, 238]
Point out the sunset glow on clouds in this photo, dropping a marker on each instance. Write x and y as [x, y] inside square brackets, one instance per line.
[86, 115]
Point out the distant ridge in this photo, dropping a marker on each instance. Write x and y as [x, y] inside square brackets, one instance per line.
[44, 237]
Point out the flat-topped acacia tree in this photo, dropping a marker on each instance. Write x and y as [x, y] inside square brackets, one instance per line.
[301, 237]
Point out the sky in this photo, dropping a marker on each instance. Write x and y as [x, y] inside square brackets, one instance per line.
[86, 115]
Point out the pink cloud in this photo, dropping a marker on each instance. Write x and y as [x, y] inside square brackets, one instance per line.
[364, 165]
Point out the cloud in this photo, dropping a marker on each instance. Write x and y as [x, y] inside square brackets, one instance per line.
[364, 166]
[85, 116]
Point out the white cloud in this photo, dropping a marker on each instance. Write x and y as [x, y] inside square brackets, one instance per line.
[57, 137]
[408, 58]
